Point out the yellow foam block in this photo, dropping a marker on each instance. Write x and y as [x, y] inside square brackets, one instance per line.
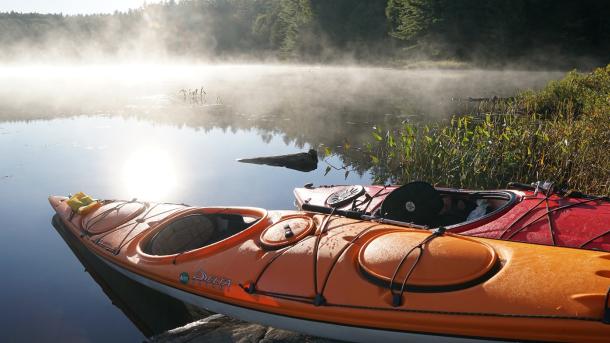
[89, 208]
[82, 203]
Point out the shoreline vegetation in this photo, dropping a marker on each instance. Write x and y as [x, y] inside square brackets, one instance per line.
[560, 133]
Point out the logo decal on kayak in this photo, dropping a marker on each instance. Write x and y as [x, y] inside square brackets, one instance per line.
[184, 277]
[212, 281]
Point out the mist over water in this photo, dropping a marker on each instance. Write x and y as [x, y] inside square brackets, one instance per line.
[254, 89]
[308, 105]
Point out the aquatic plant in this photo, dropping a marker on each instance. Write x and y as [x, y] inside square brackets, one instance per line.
[560, 133]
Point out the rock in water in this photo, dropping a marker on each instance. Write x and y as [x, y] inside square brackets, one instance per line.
[303, 161]
[220, 329]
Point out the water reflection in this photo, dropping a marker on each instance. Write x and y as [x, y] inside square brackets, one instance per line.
[150, 311]
[150, 172]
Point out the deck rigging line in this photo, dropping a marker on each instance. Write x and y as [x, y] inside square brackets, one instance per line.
[368, 199]
[135, 222]
[550, 191]
[397, 297]
[251, 289]
[552, 211]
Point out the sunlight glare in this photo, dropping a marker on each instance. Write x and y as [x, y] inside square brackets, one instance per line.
[150, 174]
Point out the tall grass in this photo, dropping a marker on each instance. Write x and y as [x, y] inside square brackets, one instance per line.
[560, 133]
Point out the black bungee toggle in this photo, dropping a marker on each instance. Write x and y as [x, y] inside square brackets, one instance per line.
[288, 231]
[250, 288]
[396, 300]
[319, 300]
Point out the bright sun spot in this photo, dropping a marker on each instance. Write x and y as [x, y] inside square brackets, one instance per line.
[150, 174]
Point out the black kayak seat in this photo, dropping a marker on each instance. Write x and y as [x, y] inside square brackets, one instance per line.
[415, 202]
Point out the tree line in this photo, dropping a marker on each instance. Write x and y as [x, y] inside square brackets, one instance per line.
[482, 32]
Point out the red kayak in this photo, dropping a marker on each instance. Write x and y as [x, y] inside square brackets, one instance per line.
[526, 213]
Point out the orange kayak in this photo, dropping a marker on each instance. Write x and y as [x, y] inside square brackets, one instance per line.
[348, 279]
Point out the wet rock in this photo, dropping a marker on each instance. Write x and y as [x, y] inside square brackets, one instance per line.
[303, 161]
[274, 335]
[221, 329]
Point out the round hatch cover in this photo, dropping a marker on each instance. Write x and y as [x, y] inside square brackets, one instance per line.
[286, 231]
[111, 215]
[344, 195]
[447, 261]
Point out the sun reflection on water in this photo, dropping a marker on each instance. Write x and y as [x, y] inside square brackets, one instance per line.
[150, 174]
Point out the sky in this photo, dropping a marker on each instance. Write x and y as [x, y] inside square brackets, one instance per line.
[70, 6]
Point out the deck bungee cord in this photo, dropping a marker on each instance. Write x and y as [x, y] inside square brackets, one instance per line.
[600, 198]
[137, 222]
[368, 199]
[397, 297]
[547, 214]
[319, 300]
[397, 302]
[526, 213]
[91, 223]
[133, 220]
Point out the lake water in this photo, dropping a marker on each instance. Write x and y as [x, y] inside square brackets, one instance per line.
[140, 132]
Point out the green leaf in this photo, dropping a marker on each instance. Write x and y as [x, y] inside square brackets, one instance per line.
[328, 168]
[377, 136]
[391, 142]
[327, 151]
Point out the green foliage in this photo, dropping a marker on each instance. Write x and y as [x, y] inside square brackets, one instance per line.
[575, 95]
[282, 22]
[502, 30]
[411, 19]
[552, 141]
[465, 31]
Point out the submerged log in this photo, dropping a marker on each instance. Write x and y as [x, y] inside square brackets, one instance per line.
[303, 161]
[491, 99]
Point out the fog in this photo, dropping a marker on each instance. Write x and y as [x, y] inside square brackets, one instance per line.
[252, 89]
[306, 105]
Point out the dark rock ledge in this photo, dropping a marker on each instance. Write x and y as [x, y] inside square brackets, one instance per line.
[218, 328]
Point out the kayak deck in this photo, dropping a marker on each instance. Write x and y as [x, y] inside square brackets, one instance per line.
[514, 214]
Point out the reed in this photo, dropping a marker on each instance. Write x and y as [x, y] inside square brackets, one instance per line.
[560, 133]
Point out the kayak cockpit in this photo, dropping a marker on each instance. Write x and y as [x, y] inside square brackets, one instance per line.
[423, 204]
[460, 207]
[195, 231]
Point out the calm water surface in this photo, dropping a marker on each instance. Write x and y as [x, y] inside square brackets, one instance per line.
[123, 133]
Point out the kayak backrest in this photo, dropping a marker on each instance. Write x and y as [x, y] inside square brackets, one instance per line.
[415, 202]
